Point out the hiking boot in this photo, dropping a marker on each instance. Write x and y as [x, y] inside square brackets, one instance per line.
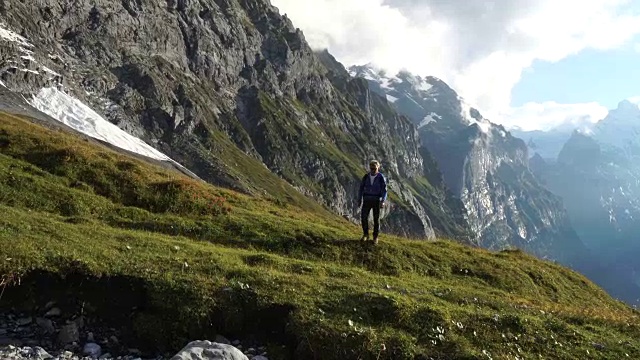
[375, 240]
[364, 238]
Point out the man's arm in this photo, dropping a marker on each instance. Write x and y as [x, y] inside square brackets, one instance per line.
[384, 189]
[361, 192]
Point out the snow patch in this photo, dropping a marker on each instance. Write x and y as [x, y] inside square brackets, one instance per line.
[391, 99]
[47, 70]
[9, 35]
[387, 83]
[424, 86]
[30, 71]
[27, 57]
[433, 117]
[77, 115]
[26, 51]
[484, 125]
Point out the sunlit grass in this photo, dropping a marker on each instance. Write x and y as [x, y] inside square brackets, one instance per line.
[68, 205]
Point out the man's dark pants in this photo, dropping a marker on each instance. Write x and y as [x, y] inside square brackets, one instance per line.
[367, 206]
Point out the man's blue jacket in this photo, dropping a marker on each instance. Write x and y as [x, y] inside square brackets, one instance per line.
[375, 191]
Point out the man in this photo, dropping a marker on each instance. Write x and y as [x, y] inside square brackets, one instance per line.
[372, 196]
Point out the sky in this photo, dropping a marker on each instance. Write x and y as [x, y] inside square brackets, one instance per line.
[531, 64]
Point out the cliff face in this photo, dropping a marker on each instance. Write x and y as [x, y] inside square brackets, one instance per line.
[226, 87]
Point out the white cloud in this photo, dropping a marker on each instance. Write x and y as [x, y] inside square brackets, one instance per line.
[479, 47]
[549, 115]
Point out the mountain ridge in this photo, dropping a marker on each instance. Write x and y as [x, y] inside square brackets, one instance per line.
[597, 176]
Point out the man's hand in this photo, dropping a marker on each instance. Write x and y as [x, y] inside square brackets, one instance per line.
[382, 204]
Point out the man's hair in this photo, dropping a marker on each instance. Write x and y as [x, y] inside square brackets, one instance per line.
[374, 162]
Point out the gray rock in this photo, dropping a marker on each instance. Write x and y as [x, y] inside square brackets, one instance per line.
[41, 354]
[259, 357]
[53, 312]
[105, 356]
[46, 325]
[92, 350]
[236, 342]
[69, 334]
[24, 321]
[206, 350]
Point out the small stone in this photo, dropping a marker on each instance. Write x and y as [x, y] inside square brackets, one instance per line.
[235, 342]
[209, 350]
[222, 340]
[92, 349]
[41, 354]
[49, 305]
[598, 346]
[53, 312]
[67, 354]
[251, 351]
[105, 356]
[24, 321]
[90, 337]
[113, 340]
[239, 347]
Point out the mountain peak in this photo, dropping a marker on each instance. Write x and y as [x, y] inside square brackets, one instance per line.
[631, 105]
[621, 127]
[579, 149]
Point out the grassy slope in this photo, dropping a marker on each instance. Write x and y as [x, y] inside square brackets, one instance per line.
[69, 206]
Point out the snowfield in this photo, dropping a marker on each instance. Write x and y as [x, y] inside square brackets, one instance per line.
[77, 115]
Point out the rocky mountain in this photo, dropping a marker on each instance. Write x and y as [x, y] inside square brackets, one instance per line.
[483, 165]
[597, 173]
[548, 143]
[226, 88]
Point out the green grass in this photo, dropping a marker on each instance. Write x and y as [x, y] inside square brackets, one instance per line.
[214, 261]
